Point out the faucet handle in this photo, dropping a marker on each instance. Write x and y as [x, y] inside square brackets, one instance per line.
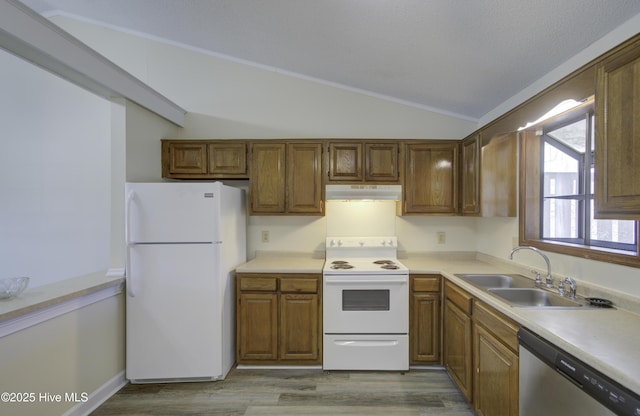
[538, 278]
[572, 287]
[561, 290]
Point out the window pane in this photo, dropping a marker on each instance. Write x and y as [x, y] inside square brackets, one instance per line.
[573, 135]
[561, 218]
[561, 176]
[615, 231]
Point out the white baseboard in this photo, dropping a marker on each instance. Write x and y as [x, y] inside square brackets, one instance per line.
[99, 396]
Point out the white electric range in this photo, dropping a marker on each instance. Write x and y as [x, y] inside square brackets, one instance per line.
[365, 305]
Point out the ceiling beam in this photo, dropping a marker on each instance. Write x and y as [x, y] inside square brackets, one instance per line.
[30, 36]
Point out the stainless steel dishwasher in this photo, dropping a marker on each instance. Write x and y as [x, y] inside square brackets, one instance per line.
[552, 382]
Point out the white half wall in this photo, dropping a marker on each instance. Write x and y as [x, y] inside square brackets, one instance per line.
[54, 175]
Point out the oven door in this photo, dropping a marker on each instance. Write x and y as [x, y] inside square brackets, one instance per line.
[366, 304]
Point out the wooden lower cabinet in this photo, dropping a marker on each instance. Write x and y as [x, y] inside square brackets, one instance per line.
[278, 318]
[495, 358]
[258, 335]
[480, 352]
[299, 335]
[457, 352]
[424, 319]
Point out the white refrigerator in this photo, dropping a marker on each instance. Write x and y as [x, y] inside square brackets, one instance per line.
[184, 241]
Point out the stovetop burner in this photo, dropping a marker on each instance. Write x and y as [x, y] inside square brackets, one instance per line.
[363, 255]
[341, 266]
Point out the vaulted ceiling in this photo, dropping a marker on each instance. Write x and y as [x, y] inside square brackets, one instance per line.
[457, 57]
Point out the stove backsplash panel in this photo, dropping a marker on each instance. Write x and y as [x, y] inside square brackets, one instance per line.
[361, 218]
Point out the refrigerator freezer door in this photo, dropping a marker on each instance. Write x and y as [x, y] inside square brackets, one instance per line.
[174, 321]
[172, 212]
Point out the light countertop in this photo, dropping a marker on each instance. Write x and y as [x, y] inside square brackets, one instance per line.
[606, 339]
[283, 262]
[34, 299]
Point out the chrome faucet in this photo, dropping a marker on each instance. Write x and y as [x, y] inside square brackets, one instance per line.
[548, 279]
[572, 287]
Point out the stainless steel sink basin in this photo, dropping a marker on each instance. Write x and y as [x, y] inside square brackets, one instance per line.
[533, 297]
[486, 281]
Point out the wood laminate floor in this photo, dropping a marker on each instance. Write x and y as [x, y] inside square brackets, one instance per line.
[303, 392]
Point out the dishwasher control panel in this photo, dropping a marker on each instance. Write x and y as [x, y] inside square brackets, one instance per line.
[611, 394]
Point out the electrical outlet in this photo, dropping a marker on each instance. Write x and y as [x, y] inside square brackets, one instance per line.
[442, 237]
[265, 236]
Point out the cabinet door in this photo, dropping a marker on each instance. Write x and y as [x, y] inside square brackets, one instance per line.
[345, 162]
[431, 182]
[496, 376]
[457, 354]
[257, 327]
[304, 178]
[185, 158]
[267, 181]
[617, 152]
[299, 339]
[471, 176]
[425, 328]
[381, 162]
[499, 176]
[228, 160]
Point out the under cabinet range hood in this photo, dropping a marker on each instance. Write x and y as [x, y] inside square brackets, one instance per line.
[363, 192]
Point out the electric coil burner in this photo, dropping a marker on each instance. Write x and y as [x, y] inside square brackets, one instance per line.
[365, 305]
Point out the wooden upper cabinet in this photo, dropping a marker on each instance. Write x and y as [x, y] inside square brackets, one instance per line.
[267, 183]
[286, 178]
[204, 159]
[345, 162]
[431, 178]
[358, 161]
[381, 162]
[184, 158]
[228, 159]
[617, 150]
[499, 176]
[470, 181]
[304, 178]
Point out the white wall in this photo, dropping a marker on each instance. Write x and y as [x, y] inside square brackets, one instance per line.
[495, 235]
[227, 99]
[81, 351]
[54, 176]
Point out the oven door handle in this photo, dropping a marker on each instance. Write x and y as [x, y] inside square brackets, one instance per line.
[340, 281]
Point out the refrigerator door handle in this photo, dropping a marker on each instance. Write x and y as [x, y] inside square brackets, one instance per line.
[127, 268]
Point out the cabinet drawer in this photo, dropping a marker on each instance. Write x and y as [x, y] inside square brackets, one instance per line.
[298, 285]
[261, 284]
[458, 297]
[505, 330]
[426, 283]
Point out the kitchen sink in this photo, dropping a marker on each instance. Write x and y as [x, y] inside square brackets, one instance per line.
[533, 297]
[520, 291]
[486, 281]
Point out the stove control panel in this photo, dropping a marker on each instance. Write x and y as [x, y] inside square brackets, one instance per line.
[362, 242]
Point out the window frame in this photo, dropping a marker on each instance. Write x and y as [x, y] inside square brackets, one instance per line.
[531, 195]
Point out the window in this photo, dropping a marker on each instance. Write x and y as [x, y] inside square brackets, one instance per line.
[557, 195]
